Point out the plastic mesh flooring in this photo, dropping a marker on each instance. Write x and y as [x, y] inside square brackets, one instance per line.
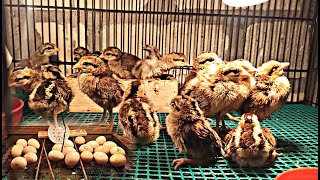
[295, 126]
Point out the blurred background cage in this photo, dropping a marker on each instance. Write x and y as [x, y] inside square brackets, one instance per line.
[285, 30]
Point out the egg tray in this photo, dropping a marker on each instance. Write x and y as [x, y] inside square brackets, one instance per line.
[59, 170]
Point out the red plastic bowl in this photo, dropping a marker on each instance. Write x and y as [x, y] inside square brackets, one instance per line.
[16, 111]
[308, 173]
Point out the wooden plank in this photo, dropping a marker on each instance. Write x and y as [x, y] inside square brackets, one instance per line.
[73, 133]
[35, 129]
[160, 93]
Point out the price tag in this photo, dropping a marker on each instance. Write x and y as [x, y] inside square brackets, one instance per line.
[56, 134]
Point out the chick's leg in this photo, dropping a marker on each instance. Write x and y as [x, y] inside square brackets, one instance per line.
[102, 121]
[55, 119]
[110, 117]
[233, 118]
[185, 161]
[224, 127]
[46, 119]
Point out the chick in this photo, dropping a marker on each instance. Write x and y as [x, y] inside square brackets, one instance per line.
[192, 133]
[204, 62]
[250, 144]
[220, 90]
[206, 59]
[52, 95]
[119, 62]
[96, 81]
[154, 65]
[270, 92]
[79, 52]
[25, 78]
[41, 56]
[137, 116]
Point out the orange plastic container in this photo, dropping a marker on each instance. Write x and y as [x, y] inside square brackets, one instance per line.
[307, 173]
[17, 112]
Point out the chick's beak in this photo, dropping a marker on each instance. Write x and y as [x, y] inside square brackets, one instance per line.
[252, 70]
[244, 74]
[77, 66]
[285, 65]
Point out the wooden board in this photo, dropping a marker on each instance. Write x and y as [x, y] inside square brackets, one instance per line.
[160, 93]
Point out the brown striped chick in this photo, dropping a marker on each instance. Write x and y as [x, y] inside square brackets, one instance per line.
[154, 65]
[26, 78]
[250, 144]
[78, 53]
[270, 92]
[52, 95]
[120, 63]
[41, 56]
[137, 116]
[191, 133]
[220, 90]
[96, 81]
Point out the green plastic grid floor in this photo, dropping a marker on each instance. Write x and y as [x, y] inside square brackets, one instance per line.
[295, 126]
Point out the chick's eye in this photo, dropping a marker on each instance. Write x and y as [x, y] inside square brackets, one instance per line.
[108, 54]
[234, 71]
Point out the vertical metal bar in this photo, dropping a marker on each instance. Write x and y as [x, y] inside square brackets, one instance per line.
[198, 26]
[27, 27]
[86, 23]
[153, 23]
[170, 28]
[34, 26]
[57, 36]
[245, 33]
[210, 27]
[177, 21]
[121, 26]
[190, 24]
[137, 29]
[313, 40]
[183, 34]
[163, 27]
[225, 32]
[115, 23]
[108, 19]
[78, 22]
[260, 22]
[41, 19]
[93, 37]
[49, 30]
[292, 38]
[285, 39]
[149, 24]
[304, 45]
[280, 31]
[231, 33]
[12, 37]
[129, 26]
[266, 32]
[252, 32]
[101, 25]
[238, 34]
[64, 37]
[19, 21]
[204, 24]
[71, 36]
[158, 29]
[272, 35]
[218, 27]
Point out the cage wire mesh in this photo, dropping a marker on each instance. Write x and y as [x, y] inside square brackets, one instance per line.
[282, 30]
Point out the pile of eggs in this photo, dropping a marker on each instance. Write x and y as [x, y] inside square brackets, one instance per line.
[26, 148]
[98, 150]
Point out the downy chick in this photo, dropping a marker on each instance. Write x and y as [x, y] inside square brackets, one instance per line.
[96, 81]
[41, 56]
[26, 78]
[192, 133]
[221, 90]
[206, 62]
[250, 144]
[120, 63]
[270, 92]
[52, 95]
[137, 116]
[154, 65]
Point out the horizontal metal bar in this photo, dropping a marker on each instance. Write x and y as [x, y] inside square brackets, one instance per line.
[165, 12]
